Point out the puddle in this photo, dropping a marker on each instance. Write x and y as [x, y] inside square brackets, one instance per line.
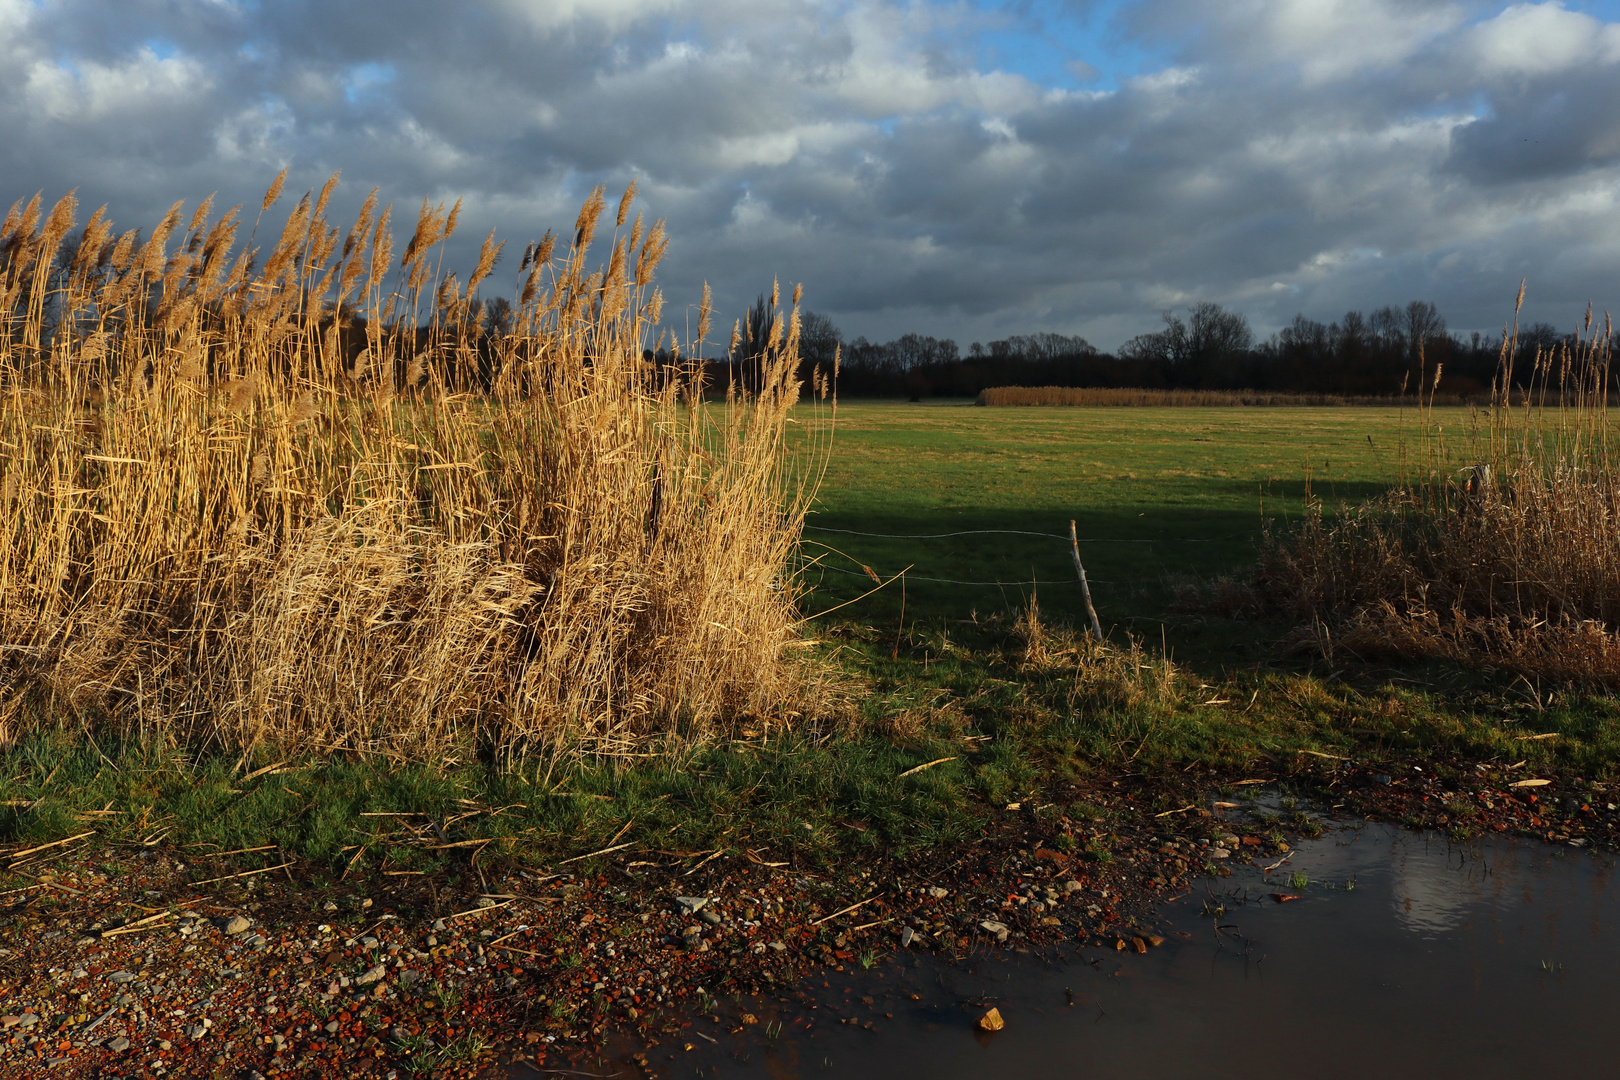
[1495, 958]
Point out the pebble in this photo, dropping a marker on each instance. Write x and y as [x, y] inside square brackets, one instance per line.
[1219, 853]
[906, 934]
[936, 892]
[710, 917]
[376, 974]
[121, 977]
[691, 904]
[999, 929]
[238, 924]
[118, 1045]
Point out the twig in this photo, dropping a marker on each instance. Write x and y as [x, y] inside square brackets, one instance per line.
[243, 850]
[514, 948]
[350, 866]
[481, 910]
[605, 850]
[53, 843]
[245, 873]
[1278, 863]
[256, 773]
[718, 852]
[139, 924]
[503, 937]
[869, 925]
[925, 765]
[846, 911]
[1183, 810]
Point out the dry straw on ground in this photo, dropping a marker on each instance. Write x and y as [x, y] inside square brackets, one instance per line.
[1502, 549]
[303, 496]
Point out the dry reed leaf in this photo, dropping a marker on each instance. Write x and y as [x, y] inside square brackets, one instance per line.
[405, 575]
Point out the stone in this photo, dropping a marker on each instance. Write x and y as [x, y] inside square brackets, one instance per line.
[936, 892]
[690, 905]
[27, 1020]
[991, 1021]
[991, 926]
[906, 936]
[329, 906]
[374, 975]
[777, 946]
[710, 917]
[118, 1045]
[1071, 886]
[9, 1021]
[238, 924]
[121, 977]
[408, 979]
[1219, 853]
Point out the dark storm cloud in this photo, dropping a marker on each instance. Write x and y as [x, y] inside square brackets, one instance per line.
[1289, 154]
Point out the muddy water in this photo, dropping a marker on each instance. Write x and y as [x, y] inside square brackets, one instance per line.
[1406, 956]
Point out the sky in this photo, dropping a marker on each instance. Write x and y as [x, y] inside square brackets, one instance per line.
[970, 169]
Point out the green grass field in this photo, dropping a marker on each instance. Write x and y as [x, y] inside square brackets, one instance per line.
[953, 679]
[1163, 494]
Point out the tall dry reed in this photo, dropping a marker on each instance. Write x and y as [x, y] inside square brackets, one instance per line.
[301, 496]
[1501, 547]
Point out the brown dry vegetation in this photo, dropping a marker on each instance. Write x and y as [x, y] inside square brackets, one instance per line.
[299, 497]
[1504, 550]
[1151, 398]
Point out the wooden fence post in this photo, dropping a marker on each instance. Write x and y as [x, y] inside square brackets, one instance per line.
[1085, 589]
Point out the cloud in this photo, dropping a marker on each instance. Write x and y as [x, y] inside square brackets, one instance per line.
[1279, 155]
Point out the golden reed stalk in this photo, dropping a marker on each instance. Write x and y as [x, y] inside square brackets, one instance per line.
[306, 496]
[1501, 547]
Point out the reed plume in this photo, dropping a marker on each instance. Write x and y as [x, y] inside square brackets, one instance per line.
[311, 501]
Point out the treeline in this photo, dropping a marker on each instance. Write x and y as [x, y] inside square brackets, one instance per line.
[1386, 352]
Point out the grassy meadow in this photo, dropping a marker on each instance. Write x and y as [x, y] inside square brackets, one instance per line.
[1167, 494]
[1018, 705]
[298, 561]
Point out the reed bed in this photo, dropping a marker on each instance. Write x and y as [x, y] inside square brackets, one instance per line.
[1501, 549]
[1116, 396]
[306, 497]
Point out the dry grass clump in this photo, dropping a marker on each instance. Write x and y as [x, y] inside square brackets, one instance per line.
[1145, 398]
[1098, 676]
[307, 496]
[1504, 550]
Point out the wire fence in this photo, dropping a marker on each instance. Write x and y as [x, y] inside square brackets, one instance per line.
[1026, 532]
[864, 572]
